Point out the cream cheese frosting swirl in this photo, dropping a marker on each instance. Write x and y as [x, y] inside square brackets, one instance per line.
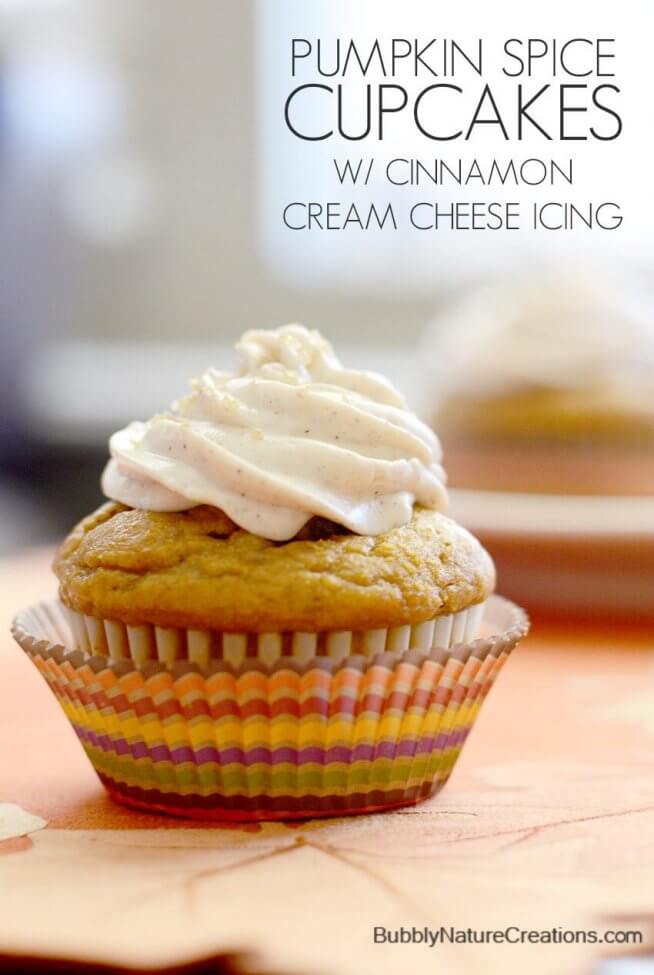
[290, 435]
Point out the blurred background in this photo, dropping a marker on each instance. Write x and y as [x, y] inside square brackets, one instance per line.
[143, 166]
[129, 233]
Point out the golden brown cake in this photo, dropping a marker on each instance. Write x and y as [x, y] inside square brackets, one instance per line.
[198, 569]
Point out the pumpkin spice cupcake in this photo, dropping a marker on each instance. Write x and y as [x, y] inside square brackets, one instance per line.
[272, 617]
[546, 386]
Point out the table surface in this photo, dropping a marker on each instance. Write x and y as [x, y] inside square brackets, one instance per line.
[547, 821]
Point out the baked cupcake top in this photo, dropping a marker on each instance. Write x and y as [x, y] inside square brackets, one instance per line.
[293, 495]
[197, 569]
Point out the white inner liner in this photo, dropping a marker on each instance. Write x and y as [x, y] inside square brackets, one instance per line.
[118, 641]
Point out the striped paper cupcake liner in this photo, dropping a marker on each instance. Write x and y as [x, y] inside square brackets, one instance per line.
[285, 739]
[141, 644]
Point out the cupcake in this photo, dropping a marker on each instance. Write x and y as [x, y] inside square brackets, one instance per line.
[272, 617]
[546, 386]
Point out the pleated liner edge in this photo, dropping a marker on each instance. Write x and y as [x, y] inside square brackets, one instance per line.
[291, 739]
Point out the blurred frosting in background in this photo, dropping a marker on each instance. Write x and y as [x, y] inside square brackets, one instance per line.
[546, 385]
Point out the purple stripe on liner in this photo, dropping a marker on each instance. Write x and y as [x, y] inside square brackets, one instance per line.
[228, 755]
[337, 753]
[312, 753]
[288, 754]
[460, 736]
[385, 749]
[120, 746]
[261, 754]
[425, 745]
[454, 739]
[363, 753]
[406, 748]
[206, 754]
[182, 754]
[140, 750]
[160, 753]
[105, 742]
[102, 742]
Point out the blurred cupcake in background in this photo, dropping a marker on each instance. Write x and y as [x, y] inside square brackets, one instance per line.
[546, 386]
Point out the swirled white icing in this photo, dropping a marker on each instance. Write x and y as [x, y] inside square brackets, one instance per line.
[292, 434]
